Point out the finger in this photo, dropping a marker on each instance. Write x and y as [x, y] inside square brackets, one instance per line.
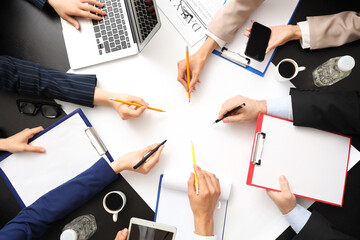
[246, 34]
[139, 111]
[215, 182]
[191, 185]
[201, 179]
[252, 21]
[34, 131]
[154, 159]
[93, 9]
[209, 182]
[226, 107]
[97, 3]
[181, 74]
[271, 194]
[151, 8]
[270, 47]
[138, 100]
[29, 148]
[194, 80]
[148, 148]
[233, 118]
[122, 235]
[72, 21]
[284, 185]
[86, 14]
[248, 29]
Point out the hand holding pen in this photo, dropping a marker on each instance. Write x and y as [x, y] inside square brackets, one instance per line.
[248, 112]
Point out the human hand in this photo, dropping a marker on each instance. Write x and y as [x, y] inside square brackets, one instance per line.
[280, 35]
[129, 160]
[67, 9]
[129, 111]
[204, 204]
[196, 64]
[19, 142]
[284, 200]
[122, 235]
[247, 113]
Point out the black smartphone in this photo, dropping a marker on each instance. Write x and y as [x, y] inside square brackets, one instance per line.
[258, 42]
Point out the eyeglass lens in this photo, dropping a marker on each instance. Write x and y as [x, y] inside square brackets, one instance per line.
[49, 111]
[27, 108]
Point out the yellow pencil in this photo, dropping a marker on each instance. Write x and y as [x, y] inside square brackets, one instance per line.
[188, 71]
[135, 104]
[196, 179]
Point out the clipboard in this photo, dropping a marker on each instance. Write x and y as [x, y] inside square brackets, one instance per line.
[26, 189]
[238, 57]
[315, 162]
[174, 193]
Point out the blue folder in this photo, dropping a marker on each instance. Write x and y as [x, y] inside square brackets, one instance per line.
[2, 173]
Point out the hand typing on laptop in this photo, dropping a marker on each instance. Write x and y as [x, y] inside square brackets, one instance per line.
[68, 9]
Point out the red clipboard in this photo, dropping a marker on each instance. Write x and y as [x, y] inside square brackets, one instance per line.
[256, 161]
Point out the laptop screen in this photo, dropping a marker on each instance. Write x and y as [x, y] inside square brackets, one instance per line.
[146, 20]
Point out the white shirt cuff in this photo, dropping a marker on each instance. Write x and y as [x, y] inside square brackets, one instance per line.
[305, 34]
[219, 41]
[280, 107]
[298, 217]
[198, 237]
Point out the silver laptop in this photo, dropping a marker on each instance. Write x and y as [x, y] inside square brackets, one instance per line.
[124, 31]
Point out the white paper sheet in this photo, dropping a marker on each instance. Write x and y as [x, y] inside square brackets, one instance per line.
[191, 26]
[68, 153]
[314, 161]
[174, 207]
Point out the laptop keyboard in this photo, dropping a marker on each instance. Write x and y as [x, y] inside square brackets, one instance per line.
[111, 32]
[147, 22]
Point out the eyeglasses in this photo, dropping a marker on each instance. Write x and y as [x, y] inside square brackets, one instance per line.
[31, 107]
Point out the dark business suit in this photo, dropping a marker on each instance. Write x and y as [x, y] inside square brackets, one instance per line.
[33, 79]
[38, 3]
[336, 112]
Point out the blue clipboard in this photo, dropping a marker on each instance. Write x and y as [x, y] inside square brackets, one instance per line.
[2, 173]
[262, 74]
[158, 202]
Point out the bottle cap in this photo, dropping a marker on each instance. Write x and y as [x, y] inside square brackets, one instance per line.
[68, 234]
[346, 63]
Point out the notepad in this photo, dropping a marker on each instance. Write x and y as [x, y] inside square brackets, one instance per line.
[70, 149]
[173, 207]
[315, 162]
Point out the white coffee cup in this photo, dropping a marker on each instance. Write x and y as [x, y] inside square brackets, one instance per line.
[113, 204]
[288, 71]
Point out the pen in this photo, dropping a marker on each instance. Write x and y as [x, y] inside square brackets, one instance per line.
[231, 112]
[146, 156]
[188, 71]
[135, 104]
[196, 179]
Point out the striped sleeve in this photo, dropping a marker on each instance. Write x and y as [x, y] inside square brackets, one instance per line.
[33, 79]
[38, 3]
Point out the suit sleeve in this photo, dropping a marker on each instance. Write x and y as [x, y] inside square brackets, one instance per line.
[337, 112]
[38, 3]
[334, 30]
[34, 220]
[33, 79]
[318, 227]
[230, 18]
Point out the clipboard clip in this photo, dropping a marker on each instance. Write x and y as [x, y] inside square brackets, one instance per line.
[258, 148]
[96, 141]
[235, 57]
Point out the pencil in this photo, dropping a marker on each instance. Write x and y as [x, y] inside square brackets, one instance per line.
[194, 162]
[135, 104]
[188, 71]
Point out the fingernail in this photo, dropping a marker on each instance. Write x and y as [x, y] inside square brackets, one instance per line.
[43, 150]
[77, 27]
[282, 177]
[124, 232]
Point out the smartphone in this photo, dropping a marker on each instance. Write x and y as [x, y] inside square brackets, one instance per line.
[258, 42]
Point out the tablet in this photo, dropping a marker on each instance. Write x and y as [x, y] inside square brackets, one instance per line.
[144, 229]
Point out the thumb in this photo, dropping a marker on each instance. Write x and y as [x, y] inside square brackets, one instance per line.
[124, 232]
[29, 148]
[284, 185]
[148, 148]
[72, 21]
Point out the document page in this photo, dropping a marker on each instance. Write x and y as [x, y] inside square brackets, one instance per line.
[190, 17]
[315, 162]
[68, 153]
[174, 207]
